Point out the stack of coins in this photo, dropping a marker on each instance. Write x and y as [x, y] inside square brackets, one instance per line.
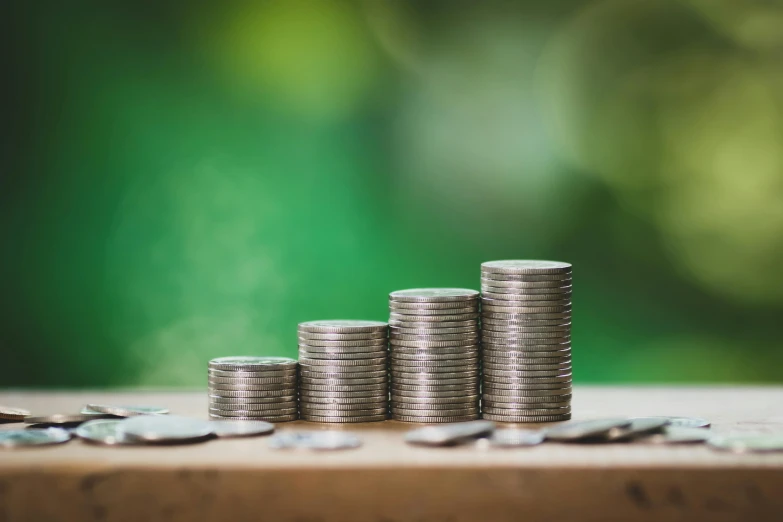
[526, 341]
[253, 388]
[343, 371]
[434, 355]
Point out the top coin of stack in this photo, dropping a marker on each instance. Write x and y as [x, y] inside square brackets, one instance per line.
[526, 340]
[253, 388]
[434, 355]
[343, 371]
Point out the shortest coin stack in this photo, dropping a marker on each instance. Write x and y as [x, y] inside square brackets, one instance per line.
[343, 371]
[253, 388]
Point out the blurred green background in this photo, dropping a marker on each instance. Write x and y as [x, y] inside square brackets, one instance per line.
[185, 180]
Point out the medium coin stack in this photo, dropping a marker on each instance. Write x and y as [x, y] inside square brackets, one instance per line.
[343, 371]
[253, 388]
[434, 355]
[526, 341]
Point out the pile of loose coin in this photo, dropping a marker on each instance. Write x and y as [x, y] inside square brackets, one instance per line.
[253, 388]
[343, 371]
[434, 355]
[526, 341]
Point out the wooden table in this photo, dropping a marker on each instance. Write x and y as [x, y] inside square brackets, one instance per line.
[387, 480]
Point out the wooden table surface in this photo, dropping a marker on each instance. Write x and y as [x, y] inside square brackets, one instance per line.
[386, 480]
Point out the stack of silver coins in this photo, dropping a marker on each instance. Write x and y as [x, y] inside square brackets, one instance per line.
[343, 371]
[253, 388]
[526, 341]
[434, 355]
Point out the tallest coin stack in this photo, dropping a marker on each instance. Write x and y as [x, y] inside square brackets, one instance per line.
[526, 340]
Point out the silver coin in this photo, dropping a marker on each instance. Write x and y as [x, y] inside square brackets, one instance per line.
[522, 347]
[402, 319]
[346, 400]
[338, 372]
[416, 312]
[682, 422]
[525, 266]
[344, 375]
[363, 336]
[127, 411]
[638, 428]
[472, 336]
[433, 325]
[486, 320]
[216, 399]
[397, 394]
[433, 295]
[33, 437]
[220, 389]
[524, 317]
[461, 387]
[524, 336]
[266, 406]
[449, 434]
[344, 420]
[165, 428]
[586, 430]
[678, 435]
[524, 419]
[526, 411]
[266, 418]
[343, 326]
[401, 362]
[427, 305]
[260, 394]
[747, 443]
[511, 329]
[434, 372]
[307, 394]
[228, 429]
[423, 345]
[515, 359]
[8, 413]
[252, 381]
[104, 431]
[461, 399]
[434, 412]
[542, 399]
[560, 279]
[344, 382]
[493, 375]
[434, 420]
[346, 350]
[307, 362]
[303, 354]
[249, 414]
[562, 390]
[526, 370]
[427, 380]
[511, 438]
[546, 307]
[471, 356]
[521, 389]
[342, 344]
[525, 407]
[435, 330]
[63, 418]
[521, 299]
[524, 383]
[513, 289]
[315, 440]
[521, 353]
[343, 410]
[239, 374]
[252, 363]
[434, 406]
[351, 388]
[406, 351]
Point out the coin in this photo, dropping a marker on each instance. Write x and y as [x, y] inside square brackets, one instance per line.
[405, 351]
[315, 440]
[266, 418]
[747, 443]
[254, 395]
[220, 389]
[523, 298]
[523, 419]
[319, 418]
[418, 312]
[497, 388]
[493, 399]
[513, 329]
[488, 320]
[241, 374]
[513, 438]
[13, 414]
[524, 370]
[351, 393]
[253, 414]
[346, 350]
[433, 325]
[343, 326]
[165, 428]
[449, 434]
[379, 399]
[436, 406]
[435, 330]
[228, 428]
[522, 394]
[436, 412]
[306, 362]
[104, 431]
[343, 344]
[362, 336]
[525, 317]
[127, 411]
[461, 387]
[638, 427]
[558, 289]
[397, 318]
[344, 382]
[586, 430]
[331, 356]
[343, 375]
[525, 266]
[460, 399]
[350, 388]
[252, 363]
[490, 359]
[435, 419]
[424, 345]
[61, 418]
[260, 407]
[528, 278]
[511, 378]
[428, 305]
[679, 435]
[473, 336]
[437, 393]
[33, 437]
[433, 295]
[682, 422]
[217, 399]
[342, 410]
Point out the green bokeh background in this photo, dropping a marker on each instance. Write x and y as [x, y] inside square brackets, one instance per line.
[182, 181]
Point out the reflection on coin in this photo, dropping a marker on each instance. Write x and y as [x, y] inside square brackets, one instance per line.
[33, 437]
[525, 266]
[586, 430]
[251, 363]
[13, 414]
[343, 326]
[127, 411]
[449, 434]
[315, 440]
[229, 428]
[512, 438]
[677, 435]
[103, 431]
[165, 428]
[682, 422]
[747, 443]
[62, 418]
[433, 295]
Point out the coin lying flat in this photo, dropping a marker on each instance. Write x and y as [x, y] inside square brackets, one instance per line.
[586, 430]
[61, 418]
[228, 428]
[165, 429]
[343, 326]
[512, 438]
[682, 422]
[525, 266]
[127, 411]
[677, 435]
[433, 295]
[13, 414]
[251, 363]
[315, 440]
[638, 428]
[104, 431]
[747, 443]
[449, 434]
[33, 437]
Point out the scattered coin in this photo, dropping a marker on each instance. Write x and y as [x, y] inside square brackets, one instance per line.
[586, 430]
[677, 435]
[165, 429]
[315, 440]
[13, 414]
[747, 443]
[104, 431]
[682, 422]
[638, 428]
[126, 411]
[513, 438]
[33, 437]
[228, 428]
[449, 434]
[64, 418]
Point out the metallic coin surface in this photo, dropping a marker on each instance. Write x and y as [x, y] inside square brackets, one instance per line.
[217, 399]
[229, 429]
[307, 394]
[61, 418]
[546, 399]
[415, 312]
[252, 363]
[445, 412]
[586, 430]
[449, 434]
[638, 428]
[165, 428]
[679, 435]
[433, 420]
[398, 318]
[431, 325]
[526, 317]
[747, 443]
[362, 336]
[343, 375]
[513, 438]
[345, 350]
[527, 278]
[433, 295]
[33, 437]
[523, 298]
[219, 389]
[306, 362]
[105, 432]
[525, 266]
[682, 422]
[429, 305]
[332, 356]
[341, 388]
[127, 411]
[524, 419]
[344, 420]
[253, 413]
[265, 417]
[241, 374]
[305, 343]
[488, 290]
[260, 394]
[315, 440]
[252, 406]
[13, 414]
[343, 326]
